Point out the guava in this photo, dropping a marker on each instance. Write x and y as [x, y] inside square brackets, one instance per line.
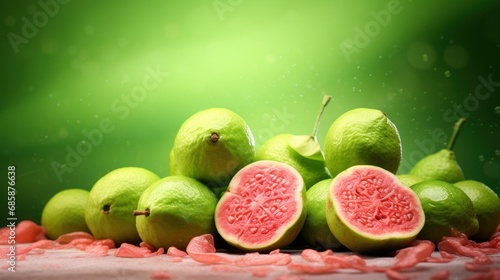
[362, 136]
[315, 231]
[263, 208]
[441, 165]
[65, 213]
[486, 205]
[370, 211]
[447, 208]
[302, 152]
[211, 146]
[173, 210]
[409, 180]
[112, 200]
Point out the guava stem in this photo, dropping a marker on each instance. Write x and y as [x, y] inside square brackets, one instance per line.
[456, 130]
[214, 137]
[138, 212]
[326, 100]
[105, 209]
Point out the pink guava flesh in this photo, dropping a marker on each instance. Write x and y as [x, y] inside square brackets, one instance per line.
[375, 203]
[262, 201]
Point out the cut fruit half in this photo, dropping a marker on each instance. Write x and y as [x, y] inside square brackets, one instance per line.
[370, 211]
[263, 207]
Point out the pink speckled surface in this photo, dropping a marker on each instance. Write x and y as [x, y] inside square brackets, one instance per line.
[74, 264]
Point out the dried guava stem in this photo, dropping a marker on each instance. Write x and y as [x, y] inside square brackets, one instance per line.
[105, 209]
[326, 99]
[214, 137]
[138, 212]
[456, 130]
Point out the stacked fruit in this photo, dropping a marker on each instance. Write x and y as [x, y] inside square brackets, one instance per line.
[288, 190]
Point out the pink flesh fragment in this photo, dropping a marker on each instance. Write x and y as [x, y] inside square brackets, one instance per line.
[256, 259]
[493, 273]
[441, 275]
[131, 251]
[310, 268]
[201, 249]
[162, 274]
[395, 275]
[147, 246]
[108, 242]
[68, 237]
[26, 232]
[79, 243]
[288, 277]
[460, 245]
[97, 250]
[174, 252]
[418, 251]
[311, 255]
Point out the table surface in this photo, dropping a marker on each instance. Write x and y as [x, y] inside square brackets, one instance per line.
[75, 264]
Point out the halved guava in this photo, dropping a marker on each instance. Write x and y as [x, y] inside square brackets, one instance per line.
[370, 211]
[263, 207]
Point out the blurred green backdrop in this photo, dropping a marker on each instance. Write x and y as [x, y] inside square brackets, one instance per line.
[90, 86]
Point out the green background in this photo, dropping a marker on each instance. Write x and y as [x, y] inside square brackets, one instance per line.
[82, 68]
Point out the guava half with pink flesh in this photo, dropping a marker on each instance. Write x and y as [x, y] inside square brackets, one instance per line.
[263, 207]
[370, 211]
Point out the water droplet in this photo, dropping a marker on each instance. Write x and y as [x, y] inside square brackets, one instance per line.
[425, 57]
[497, 152]
[497, 109]
[353, 88]
[354, 78]
[481, 158]
[447, 73]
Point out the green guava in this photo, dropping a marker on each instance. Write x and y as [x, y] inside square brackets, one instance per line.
[112, 200]
[173, 210]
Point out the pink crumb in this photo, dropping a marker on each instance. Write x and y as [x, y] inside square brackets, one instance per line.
[161, 274]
